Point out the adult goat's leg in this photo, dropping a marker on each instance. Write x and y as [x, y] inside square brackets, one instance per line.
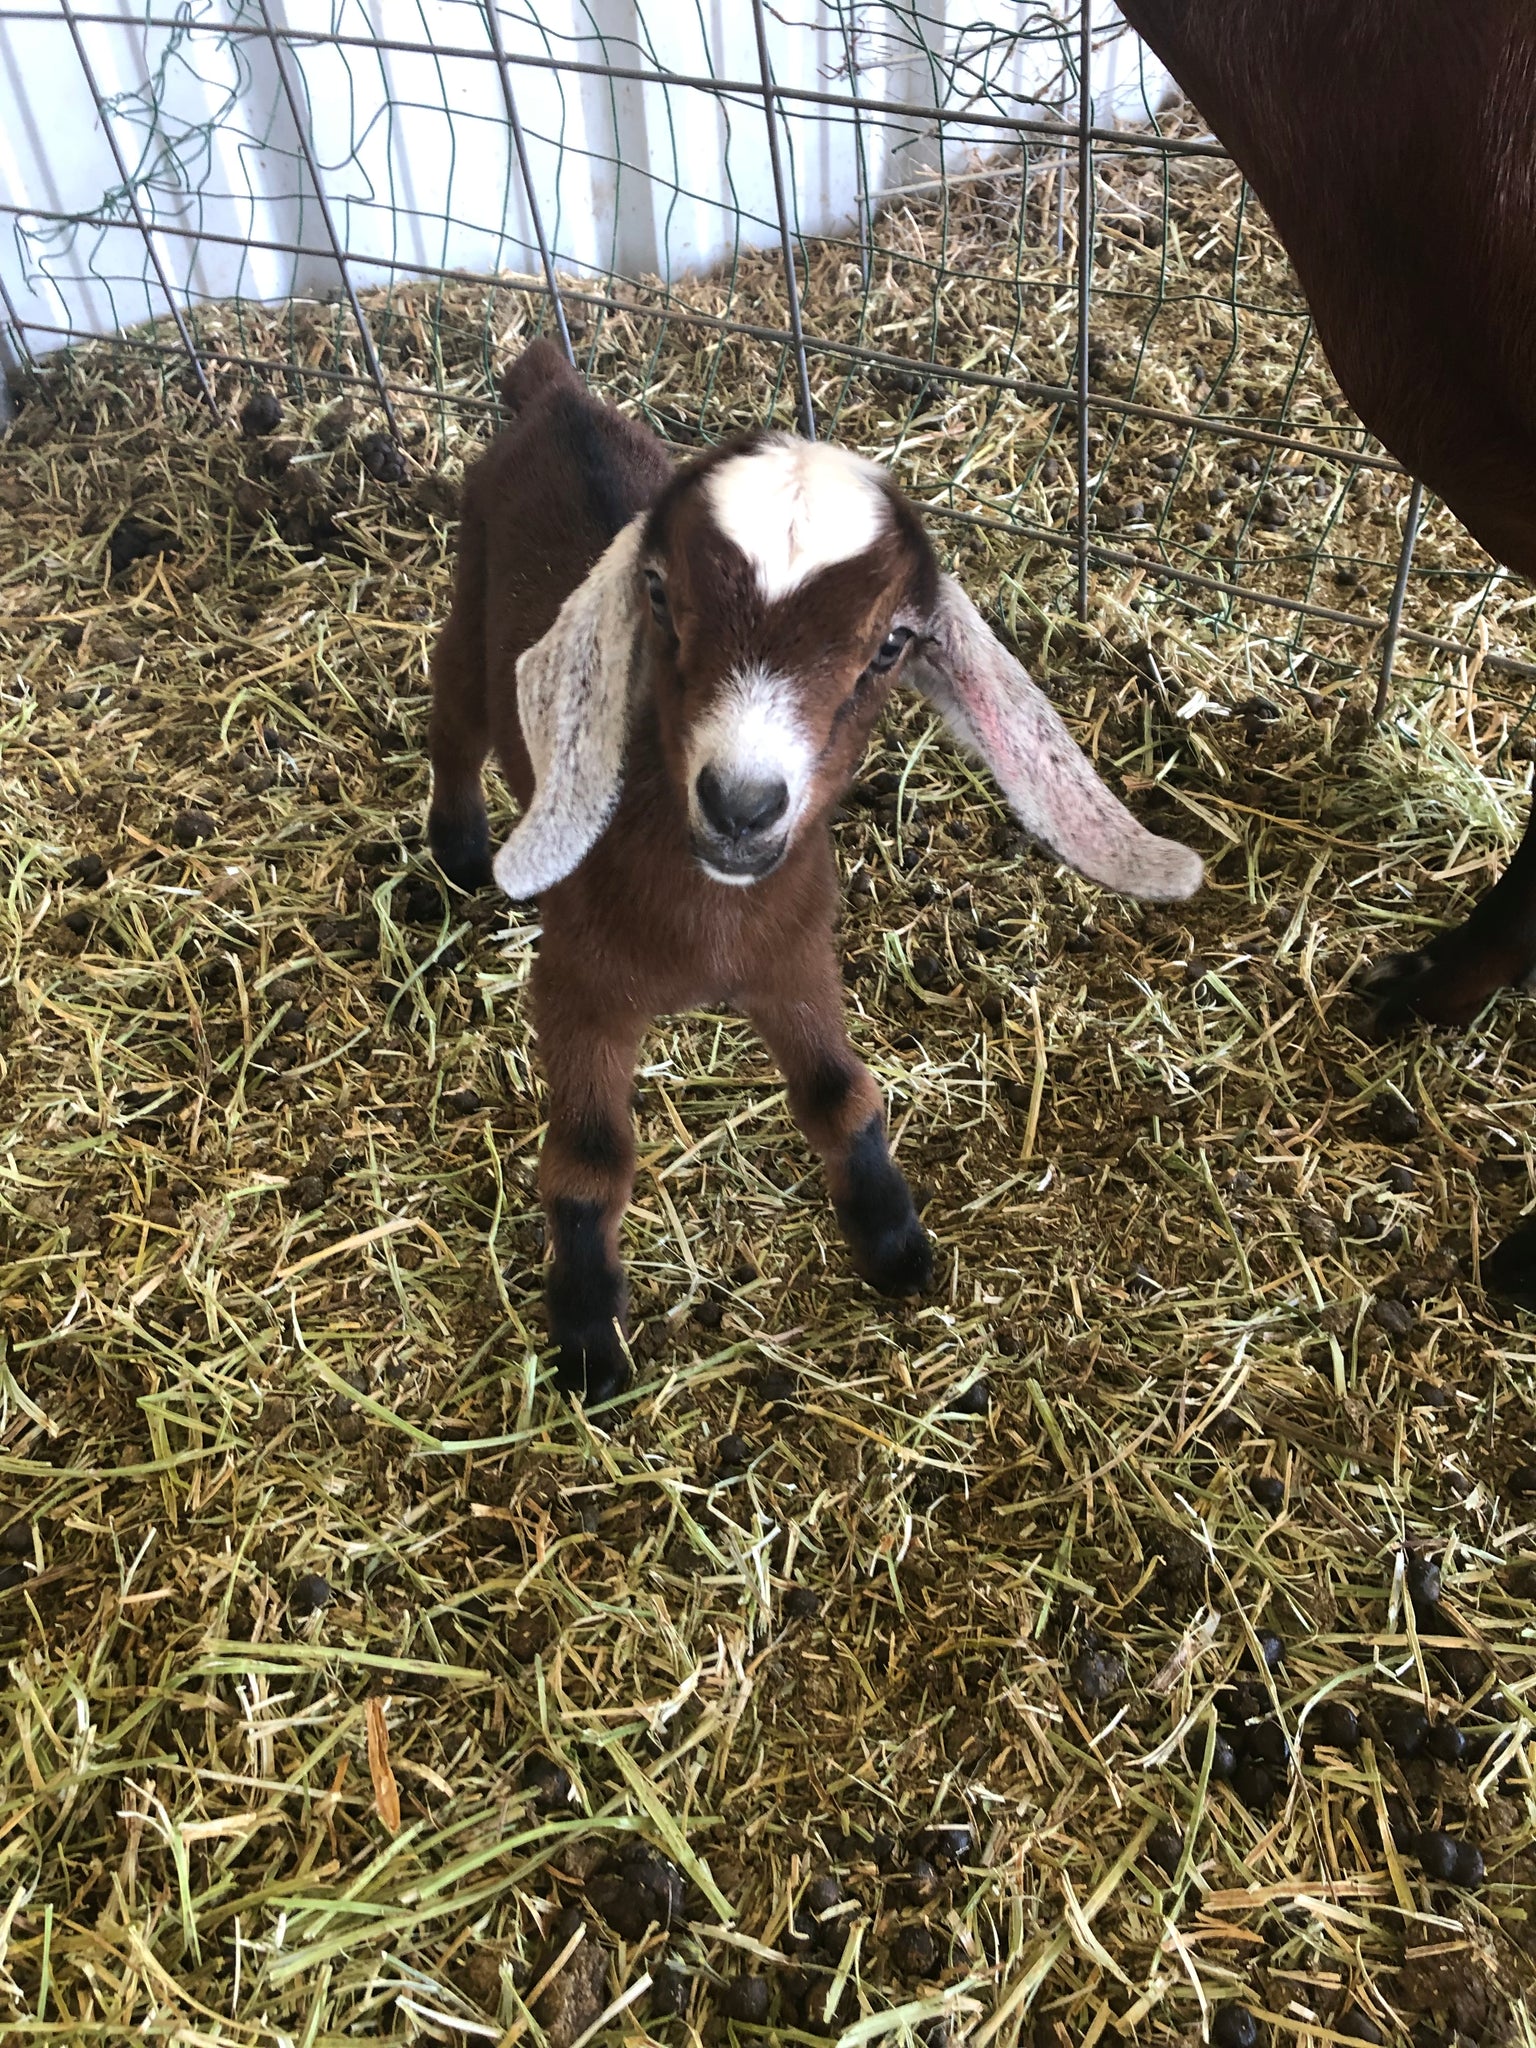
[1448, 980]
[585, 1175]
[836, 1102]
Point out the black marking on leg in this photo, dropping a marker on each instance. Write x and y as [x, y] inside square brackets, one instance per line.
[587, 1302]
[593, 1140]
[827, 1089]
[890, 1247]
[1509, 1271]
[461, 846]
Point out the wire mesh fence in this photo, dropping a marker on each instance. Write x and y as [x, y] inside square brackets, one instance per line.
[982, 242]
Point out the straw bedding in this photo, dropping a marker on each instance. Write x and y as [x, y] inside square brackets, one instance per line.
[356, 1687]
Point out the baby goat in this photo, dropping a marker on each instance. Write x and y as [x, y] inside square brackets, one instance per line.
[679, 670]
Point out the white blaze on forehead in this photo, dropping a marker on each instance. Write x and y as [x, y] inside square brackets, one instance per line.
[794, 507]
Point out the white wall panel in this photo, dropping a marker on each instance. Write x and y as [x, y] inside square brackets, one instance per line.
[413, 148]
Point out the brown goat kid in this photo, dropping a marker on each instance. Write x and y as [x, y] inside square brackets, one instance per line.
[1393, 144]
[679, 670]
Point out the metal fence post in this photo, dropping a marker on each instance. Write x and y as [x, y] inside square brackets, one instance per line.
[791, 283]
[151, 250]
[306, 148]
[1084, 283]
[509, 99]
[1399, 592]
[866, 214]
[17, 325]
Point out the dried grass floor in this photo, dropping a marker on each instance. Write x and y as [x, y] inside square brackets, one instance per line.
[316, 1603]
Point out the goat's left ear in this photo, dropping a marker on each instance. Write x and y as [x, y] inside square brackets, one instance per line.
[996, 711]
[574, 692]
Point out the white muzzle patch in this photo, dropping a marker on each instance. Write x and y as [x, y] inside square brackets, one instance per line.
[752, 735]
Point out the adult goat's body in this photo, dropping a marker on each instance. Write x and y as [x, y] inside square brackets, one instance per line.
[679, 671]
[1392, 143]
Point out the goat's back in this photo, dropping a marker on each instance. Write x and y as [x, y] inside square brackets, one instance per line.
[550, 493]
[1393, 145]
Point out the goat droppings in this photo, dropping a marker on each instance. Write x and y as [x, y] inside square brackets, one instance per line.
[1268, 1489]
[1165, 1848]
[1449, 1861]
[1446, 1743]
[190, 828]
[669, 1993]
[745, 1999]
[310, 1594]
[1406, 1730]
[382, 459]
[914, 1951]
[261, 413]
[1359, 2027]
[1336, 1724]
[1096, 1674]
[1422, 1578]
[1234, 2027]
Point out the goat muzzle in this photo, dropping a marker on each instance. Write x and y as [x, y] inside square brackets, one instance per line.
[738, 824]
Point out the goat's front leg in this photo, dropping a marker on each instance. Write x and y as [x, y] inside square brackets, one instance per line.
[585, 1175]
[836, 1102]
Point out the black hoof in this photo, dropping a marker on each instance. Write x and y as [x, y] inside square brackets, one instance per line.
[1509, 1271]
[1392, 984]
[591, 1365]
[900, 1262]
[1440, 984]
[587, 1299]
[462, 849]
[890, 1247]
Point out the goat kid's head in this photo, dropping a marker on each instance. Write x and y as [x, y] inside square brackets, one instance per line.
[768, 600]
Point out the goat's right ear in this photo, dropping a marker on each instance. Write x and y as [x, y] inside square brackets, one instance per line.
[574, 692]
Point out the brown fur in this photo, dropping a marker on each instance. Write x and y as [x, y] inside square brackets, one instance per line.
[1393, 143]
[638, 928]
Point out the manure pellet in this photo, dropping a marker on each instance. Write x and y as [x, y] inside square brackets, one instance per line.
[1446, 1743]
[1165, 1848]
[1268, 1489]
[914, 1951]
[1406, 1731]
[310, 1593]
[1336, 1724]
[1096, 1674]
[1234, 2026]
[1421, 1576]
[1449, 1861]
[1359, 2027]
[745, 1999]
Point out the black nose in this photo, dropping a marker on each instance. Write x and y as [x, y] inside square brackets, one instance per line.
[737, 809]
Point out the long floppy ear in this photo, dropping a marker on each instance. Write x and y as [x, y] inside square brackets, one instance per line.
[995, 710]
[574, 693]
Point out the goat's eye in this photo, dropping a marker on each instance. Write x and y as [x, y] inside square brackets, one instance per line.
[890, 649]
[658, 593]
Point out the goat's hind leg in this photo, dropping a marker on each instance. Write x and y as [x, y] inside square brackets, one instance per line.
[836, 1102]
[585, 1175]
[459, 736]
